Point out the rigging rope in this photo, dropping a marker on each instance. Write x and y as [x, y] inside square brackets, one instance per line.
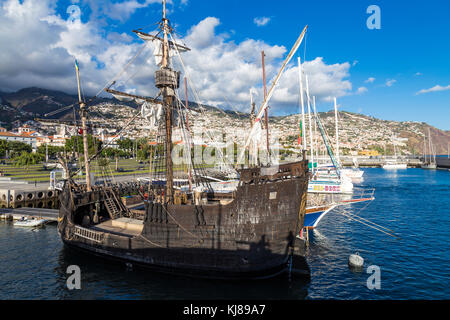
[112, 140]
[196, 95]
[114, 79]
[367, 224]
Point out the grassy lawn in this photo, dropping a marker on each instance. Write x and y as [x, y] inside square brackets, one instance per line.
[39, 174]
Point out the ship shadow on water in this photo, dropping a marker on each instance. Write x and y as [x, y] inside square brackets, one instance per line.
[110, 279]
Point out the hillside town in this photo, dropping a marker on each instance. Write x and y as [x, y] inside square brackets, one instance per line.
[358, 134]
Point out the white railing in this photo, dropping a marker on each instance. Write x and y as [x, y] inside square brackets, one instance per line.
[88, 234]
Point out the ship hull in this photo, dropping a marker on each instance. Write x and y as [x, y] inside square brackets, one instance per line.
[250, 237]
[314, 215]
[443, 162]
[183, 271]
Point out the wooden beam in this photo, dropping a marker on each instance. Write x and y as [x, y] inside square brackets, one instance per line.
[134, 96]
[143, 35]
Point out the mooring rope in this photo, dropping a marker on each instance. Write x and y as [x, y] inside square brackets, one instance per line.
[367, 224]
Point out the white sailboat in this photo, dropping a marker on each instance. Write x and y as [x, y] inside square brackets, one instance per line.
[431, 163]
[394, 164]
[352, 173]
[320, 183]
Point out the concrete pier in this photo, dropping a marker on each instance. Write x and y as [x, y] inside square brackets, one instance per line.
[15, 194]
[24, 195]
[17, 214]
[371, 162]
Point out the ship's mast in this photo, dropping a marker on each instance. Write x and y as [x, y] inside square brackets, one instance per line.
[167, 81]
[83, 113]
[266, 117]
[166, 40]
[302, 103]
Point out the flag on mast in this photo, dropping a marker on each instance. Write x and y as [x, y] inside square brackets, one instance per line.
[300, 136]
[76, 65]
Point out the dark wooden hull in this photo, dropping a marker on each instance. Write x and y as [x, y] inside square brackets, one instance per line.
[250, 237]
[443, 162]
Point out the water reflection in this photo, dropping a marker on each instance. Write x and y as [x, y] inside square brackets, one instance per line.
[104, 279]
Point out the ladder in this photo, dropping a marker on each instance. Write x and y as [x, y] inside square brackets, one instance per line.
[112, 208]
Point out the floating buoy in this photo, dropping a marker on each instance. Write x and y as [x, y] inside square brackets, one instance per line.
[355, 261]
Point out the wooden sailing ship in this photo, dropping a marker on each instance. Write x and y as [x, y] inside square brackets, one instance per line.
[248, 231]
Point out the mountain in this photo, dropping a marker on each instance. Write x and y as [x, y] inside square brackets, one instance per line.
[38, 101]
[356, 131]
[380, 134]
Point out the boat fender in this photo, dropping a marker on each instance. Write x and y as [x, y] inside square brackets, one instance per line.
[355, 261]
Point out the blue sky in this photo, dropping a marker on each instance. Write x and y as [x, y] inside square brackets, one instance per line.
[410, 53]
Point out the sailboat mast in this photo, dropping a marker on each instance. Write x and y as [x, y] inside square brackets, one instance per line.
[337, 130]
[424, 149]
[310, 124]
[302, 102]
[266, 117]
[429, 144]
[84, 129]
[316, 136]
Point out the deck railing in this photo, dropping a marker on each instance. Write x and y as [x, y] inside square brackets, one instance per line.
[88, 234]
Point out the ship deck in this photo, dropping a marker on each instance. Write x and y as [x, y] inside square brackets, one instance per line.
[121, 226]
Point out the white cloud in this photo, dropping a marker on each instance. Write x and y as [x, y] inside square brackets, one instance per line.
[355, 63]
[261, 21]
[370, 80]
[225, 71]
[203, 35]
[119, 37]
[418, 74]
[123, 10]
[361, 90]
[46, 46]
[434, 89]
[222, 70]
[390, 82]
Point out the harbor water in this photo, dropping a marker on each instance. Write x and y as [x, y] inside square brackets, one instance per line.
[413, 203]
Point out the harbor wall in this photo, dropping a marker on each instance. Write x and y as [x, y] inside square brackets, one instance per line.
[20, 198]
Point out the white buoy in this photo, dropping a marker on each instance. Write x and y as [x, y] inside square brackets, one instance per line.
[355, 260]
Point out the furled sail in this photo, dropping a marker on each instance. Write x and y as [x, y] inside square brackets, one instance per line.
[123, 98]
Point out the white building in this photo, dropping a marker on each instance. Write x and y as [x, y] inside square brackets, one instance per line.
[12, 137]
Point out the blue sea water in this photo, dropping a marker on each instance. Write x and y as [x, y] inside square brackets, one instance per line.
[414, 203]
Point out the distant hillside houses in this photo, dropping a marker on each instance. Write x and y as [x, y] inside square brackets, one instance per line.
[24, 138]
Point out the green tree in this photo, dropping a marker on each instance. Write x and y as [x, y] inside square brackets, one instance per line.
[16, 148]
[126, 144]
[75, 144]
[27, 159]
[53, 151]
[3, 148]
